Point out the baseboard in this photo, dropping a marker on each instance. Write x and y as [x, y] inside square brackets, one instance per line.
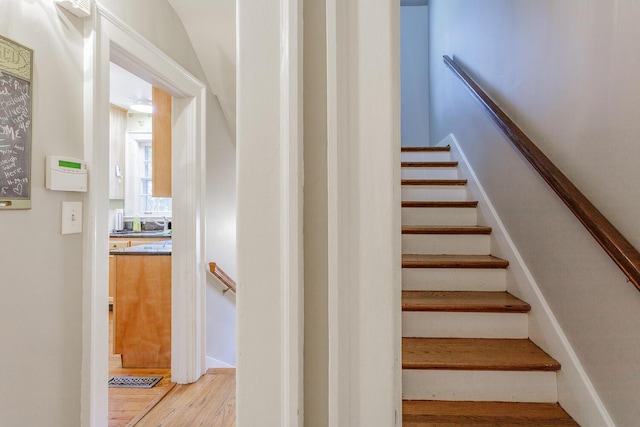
[576, 393]
[215, 363]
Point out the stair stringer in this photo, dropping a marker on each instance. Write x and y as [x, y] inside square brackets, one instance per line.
[576, 393]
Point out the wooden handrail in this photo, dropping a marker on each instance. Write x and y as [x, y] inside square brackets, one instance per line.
[612, 241]
[223, 277]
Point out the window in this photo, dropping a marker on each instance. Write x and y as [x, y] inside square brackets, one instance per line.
[139, 183]
[148, 203]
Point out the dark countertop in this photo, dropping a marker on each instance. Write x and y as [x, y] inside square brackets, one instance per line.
[162, 247]
[138, 234]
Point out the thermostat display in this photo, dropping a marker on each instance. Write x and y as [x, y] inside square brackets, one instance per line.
[66, 174]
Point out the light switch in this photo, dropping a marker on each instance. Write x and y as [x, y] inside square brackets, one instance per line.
[71, 217]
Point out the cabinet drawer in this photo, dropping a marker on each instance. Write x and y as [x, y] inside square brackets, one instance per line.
[144, 240]
[117, 244]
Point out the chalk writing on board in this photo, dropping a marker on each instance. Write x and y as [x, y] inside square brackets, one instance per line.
[15, 124]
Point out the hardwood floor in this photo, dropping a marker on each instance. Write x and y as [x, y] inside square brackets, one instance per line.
[208, 402]
[128, 405]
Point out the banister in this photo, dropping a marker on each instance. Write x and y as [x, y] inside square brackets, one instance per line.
[223, 277]
[612, 241]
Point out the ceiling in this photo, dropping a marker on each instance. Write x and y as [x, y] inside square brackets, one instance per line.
[125, 88]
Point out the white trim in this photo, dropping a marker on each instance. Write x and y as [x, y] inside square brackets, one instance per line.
[574, 386]
[215, 363]
[269, 214]
[363, 154]
[109, 38]
[338, 183]
[291, 213]
[460, 385]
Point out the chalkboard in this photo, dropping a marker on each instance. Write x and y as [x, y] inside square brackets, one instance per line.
[16, 69]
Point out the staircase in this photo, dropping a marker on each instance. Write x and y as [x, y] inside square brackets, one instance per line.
[466, 356]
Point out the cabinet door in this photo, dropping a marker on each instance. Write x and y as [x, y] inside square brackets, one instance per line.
[142, 326]
[161, 137]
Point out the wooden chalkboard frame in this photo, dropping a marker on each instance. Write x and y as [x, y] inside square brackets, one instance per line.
[16, 121]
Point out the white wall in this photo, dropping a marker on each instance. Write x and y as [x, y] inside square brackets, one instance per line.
[157, 21]
[221, 238]
[414, 77]
[41, 270]
[211, 25]
[566, 72]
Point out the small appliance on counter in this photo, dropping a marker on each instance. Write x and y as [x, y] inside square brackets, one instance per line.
[119, 220]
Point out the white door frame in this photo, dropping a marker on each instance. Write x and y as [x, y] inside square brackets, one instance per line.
[270, 298]
[107, 38]
[363, 168]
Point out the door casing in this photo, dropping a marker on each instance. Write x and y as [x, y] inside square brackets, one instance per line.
[107, 38]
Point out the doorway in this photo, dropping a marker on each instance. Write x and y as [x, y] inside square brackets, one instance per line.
[139, 243]
[114, 41]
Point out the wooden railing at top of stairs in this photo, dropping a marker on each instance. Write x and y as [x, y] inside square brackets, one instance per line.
[612, 241]
[223, 277]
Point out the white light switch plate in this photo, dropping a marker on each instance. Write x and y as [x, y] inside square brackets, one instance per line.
[71, 217]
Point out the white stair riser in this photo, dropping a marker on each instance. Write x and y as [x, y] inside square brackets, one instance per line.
[439, 216]
[454, 279]
[437, 156]
[429, 173]
[509, 386]
[452, 244]
[464, 325]
[430, 193]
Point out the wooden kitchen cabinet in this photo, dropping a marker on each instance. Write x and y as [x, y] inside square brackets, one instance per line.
[142, 315]
[161, 143]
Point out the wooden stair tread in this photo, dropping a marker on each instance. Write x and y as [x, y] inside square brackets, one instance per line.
[438, 204]
[475, 354]
[424, 149]
[463, 301]
[453, 414]
[452, 261]
[468, 229]
[452, 182]
[429, 164]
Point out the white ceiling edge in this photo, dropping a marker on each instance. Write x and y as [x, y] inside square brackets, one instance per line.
[414, 3]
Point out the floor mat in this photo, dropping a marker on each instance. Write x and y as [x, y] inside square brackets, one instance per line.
[133, 381]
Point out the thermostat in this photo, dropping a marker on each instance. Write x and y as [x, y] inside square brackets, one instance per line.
[66, 174]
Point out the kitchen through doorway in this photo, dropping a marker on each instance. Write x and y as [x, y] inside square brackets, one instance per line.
[139, 240]
[115, 42]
